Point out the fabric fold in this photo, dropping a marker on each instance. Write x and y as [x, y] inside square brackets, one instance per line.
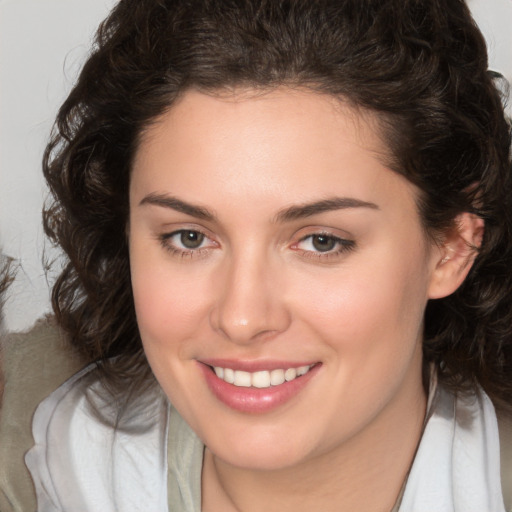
[457, 465]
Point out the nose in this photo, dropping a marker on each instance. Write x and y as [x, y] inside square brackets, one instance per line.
[250, 304]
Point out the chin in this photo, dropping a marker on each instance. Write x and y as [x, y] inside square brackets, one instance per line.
[262, 452]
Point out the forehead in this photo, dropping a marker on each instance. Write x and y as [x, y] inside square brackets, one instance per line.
[291, 144]
[249, 108]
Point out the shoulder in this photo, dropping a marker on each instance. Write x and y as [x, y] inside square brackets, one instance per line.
[82, 459]
[66, 443]
[505, 432]
[34, 364]
[457, 463]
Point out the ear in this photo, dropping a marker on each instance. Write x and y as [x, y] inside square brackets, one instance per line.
[455, 255]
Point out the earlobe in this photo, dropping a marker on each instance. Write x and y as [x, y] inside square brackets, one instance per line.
[456, 255]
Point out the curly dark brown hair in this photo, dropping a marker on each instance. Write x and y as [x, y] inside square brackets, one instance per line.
[419, 65]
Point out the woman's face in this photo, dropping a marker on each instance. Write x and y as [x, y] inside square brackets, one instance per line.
[280, 274]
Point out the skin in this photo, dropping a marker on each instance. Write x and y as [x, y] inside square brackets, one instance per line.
[258, 289]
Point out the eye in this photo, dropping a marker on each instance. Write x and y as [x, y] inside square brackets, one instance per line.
[323, 245]
[186, 241]
[190, 239]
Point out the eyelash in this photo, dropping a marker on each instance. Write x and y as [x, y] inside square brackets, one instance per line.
[341, 245]
[168, 245]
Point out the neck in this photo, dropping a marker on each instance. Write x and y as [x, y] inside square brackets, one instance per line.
[366, 473]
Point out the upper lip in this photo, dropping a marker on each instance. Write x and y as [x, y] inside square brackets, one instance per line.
[255, 365]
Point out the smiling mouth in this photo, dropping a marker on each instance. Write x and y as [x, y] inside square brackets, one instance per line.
[260, 379]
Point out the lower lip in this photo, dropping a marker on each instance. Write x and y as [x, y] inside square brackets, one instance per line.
[255, 400]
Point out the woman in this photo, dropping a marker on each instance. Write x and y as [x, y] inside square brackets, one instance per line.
[289, 220]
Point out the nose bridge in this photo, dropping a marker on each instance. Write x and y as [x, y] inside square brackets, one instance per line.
[249, 304]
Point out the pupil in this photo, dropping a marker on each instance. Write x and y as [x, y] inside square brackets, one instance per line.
[191, 239]
[323, 243]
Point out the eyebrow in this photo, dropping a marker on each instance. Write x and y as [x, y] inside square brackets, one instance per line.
[326, 205]
[177, 204]
[286, 215]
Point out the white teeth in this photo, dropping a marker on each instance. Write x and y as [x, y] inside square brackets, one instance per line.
[229, 375]
[261, 379]
[302, 371]
[242, 379]
[290, 374]
[276, 377]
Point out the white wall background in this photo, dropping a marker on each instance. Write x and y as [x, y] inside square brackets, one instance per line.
[42, 44]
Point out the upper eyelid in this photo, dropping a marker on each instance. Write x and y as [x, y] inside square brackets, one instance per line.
[340, 240]
[165, 239]
[324, 229]
[323, 233]
[181, 230]
[174, 232]
[169, 231]
[337, 233]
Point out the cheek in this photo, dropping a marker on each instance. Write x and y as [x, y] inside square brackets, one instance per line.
[372, 306]
[170, 305]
